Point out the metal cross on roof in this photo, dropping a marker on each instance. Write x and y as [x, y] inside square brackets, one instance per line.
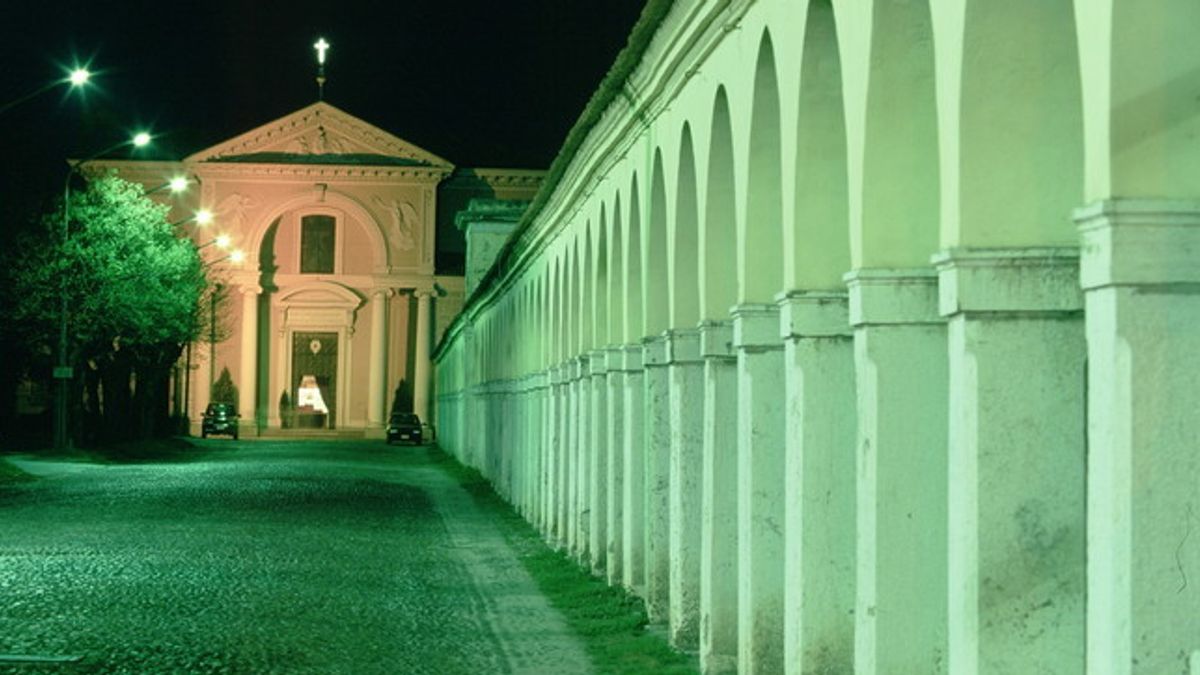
[321, 46]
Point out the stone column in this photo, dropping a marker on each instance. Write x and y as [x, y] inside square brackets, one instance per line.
[633, 494]
[553, 454]
[760, 488]
[468, 396]
[562, 454]
[820, 523]
[376, 375]
[248, 374]
[543, 428]
[421, 358]
[657, 461]
[685, 371]
[1141, 279]
[582, 458]
[900, 366]
[1016, 462]
[574, 452]
[719, 501]
[615, 468]
[598, 463]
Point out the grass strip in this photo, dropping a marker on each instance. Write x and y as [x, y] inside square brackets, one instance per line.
[11, 474]
[609, 620]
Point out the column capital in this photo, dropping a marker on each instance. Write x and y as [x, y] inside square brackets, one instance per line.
[809, 314]
[756, 327]
[614, 356]
[598, 362]
[893, 296]
[1139, 242]
[251, 289]
[632, 358]
[654, 351]
[1008, 280]
[716, 340]
[683, 345]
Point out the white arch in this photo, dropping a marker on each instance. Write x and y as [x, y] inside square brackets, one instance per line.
[332, 199]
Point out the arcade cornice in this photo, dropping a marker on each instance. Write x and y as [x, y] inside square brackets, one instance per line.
[682, 41]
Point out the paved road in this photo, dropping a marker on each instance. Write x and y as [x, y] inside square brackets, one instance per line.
[279, 557]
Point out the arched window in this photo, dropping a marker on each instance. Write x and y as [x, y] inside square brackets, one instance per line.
[317, 244]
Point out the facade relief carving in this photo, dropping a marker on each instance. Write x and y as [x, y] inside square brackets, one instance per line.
[403, 221]
[319, 142]
[231, 212]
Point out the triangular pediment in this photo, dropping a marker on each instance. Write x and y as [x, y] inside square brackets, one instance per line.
[319, 134]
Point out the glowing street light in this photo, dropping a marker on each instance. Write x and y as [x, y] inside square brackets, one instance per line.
[222, 241]
[176, 185]
[76, 79]
[236, 256]
[141, 139]
[202, 218]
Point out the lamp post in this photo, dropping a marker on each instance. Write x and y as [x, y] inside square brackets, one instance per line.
[76, 78]
[63, 372]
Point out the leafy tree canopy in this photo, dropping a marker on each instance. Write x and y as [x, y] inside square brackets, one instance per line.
[125, 274]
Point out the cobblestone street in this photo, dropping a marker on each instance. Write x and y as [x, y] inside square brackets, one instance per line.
[267, 556]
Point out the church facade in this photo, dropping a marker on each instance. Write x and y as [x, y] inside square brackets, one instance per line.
[335, 262]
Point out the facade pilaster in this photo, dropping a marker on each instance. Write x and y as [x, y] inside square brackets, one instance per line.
[657, 461]
[377, 366]
[598, 462]
[685, 370]
[582, 387]
[248, 391]
[615, 468]
[719, 501]
[575, 434]
[421, 358]
[467, 396]
[558, 450]
[901, 378]
[819, 472]
[545, 462]
[537, 447]
[761, 488]
[633, 495]
[1141, 281]
[1016, 462]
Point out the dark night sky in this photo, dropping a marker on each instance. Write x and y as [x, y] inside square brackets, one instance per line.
[481, 83]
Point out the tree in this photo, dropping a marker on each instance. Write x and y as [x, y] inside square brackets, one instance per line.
[224, 390]
[132, 289]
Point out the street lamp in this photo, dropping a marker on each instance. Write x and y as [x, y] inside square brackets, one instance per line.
[202, 217]
[63, 372]
[76, 78]
[176, 185]
[236, 256]
[222, 242]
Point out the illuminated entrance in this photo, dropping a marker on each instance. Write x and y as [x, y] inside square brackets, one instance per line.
[314, 379]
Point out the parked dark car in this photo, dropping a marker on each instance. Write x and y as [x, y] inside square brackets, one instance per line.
[220, 418]
[404, 427]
